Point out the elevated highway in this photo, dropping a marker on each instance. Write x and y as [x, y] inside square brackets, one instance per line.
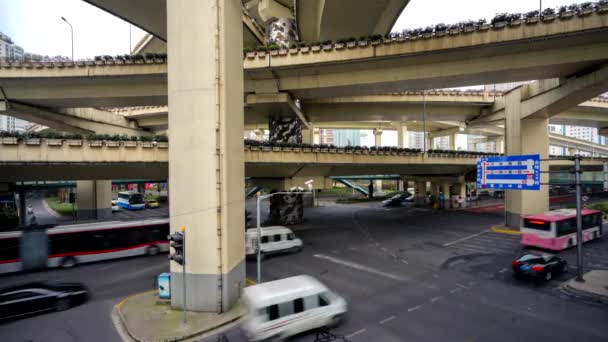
[559, 49]
[51, 161]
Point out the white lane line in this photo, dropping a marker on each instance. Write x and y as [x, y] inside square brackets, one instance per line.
[358, 332]
[414, 308]
[455, 290]
[360, 267]
[435, 299]
[388, 319]
[107, 267]
[464, 287]
[464, 238]
[503, 270]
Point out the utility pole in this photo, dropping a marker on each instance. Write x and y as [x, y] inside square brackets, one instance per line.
[579, 219]
[72, 33]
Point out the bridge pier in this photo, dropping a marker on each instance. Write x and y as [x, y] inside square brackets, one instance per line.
[94, 199]
[206, 158]
[527, 136]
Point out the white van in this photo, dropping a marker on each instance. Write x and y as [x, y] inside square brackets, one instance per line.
[275, 239]
[282, 308]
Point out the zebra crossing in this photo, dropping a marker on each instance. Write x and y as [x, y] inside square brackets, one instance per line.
[489, 242]
[595, 253]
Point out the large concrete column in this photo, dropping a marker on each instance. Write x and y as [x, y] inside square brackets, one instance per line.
[403, 137]
[94, 199]
[206, 161]
[378, 143]
[605, 174]
[528, 136]
[445, 188]
[316, 137]
[453, 139]
[420, 192]
[287, 130]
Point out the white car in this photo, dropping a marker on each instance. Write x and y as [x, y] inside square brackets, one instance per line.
[115, 206]
[286, 307]
[275, 239]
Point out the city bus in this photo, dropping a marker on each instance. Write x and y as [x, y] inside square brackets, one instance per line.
[556, 230]
[131, 200]
[67, 246]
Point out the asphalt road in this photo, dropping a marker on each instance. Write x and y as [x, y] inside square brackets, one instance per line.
[418, 275]
[108, 283]
[408, 274]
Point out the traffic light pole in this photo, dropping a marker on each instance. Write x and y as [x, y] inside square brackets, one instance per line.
[184, 277]
[579, 219]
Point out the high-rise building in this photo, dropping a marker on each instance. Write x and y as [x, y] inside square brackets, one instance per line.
[327, 136]
[11, 124]
[347, 137]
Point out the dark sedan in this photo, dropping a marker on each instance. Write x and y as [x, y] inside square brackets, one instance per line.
[397, 199]
[33, 298]
[539, 266]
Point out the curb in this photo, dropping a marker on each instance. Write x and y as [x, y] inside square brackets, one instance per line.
[123, 328]
[583, 294]
[504, 230]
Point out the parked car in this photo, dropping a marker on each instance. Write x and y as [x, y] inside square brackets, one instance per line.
[151, 203]
[115, 206]
[539, 266]
[286, 307]
[33, 298]
[398, 199]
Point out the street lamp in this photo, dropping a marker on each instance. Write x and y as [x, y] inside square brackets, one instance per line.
[72, 32]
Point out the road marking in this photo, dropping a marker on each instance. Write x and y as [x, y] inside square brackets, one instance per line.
[249, 281]
[360, 267]
[107, 267]
[435, 299]
[388, 319]
[503, 270]
[455, 290]
[464, 287]
[358, 332]
[464, 238]
[505, 230]
[414, 308]
[122, 302]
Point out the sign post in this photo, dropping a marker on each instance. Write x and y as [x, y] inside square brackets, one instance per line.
[509, 172]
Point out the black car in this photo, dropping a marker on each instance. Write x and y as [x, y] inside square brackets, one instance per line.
[539, 266]
[32, 298]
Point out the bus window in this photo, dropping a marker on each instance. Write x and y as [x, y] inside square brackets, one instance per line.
[9, 249]
[566, 227]
[590, 221]
[537, 224]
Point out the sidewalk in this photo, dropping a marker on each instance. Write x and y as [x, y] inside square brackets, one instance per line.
[146, 318]
[594, 288]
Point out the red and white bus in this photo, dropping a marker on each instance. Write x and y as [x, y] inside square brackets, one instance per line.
[556, 230]
[67, 246]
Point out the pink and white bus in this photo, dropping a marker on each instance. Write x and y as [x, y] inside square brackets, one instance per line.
[556, 229]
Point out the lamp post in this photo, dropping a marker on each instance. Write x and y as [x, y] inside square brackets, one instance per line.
[72, 34]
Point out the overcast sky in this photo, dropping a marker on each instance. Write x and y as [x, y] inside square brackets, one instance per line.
[36, 25]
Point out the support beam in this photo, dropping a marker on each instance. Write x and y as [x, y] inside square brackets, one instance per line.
[206, 158]
[529, 136]
[94, 199]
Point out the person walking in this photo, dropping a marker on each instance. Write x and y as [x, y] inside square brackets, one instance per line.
[441, 200]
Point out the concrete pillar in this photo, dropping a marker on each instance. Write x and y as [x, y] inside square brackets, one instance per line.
[94, 199]
[461, 190]
[316, 136]
[453, 139]
[445, 188]
[420, 192]
[403, 137]
[288, 130]
[605, 176]
[22, 209]
[378, 143]
[572, 151]
[400, 186]
[528, 136]
[206, 160]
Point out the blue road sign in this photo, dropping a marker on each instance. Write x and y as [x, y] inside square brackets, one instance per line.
[509, 173]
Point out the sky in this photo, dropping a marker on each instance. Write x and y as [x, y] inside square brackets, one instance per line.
[36, 25]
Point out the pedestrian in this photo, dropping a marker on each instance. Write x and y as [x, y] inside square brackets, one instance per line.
[441, 199]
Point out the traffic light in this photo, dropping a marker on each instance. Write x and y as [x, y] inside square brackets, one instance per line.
[247, 218]
[176, 241]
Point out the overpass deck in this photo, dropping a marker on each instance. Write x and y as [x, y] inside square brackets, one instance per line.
[65, 161]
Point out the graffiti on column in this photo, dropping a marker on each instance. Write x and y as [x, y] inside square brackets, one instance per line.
[282, 31]
[287, 209]
[287, 130]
